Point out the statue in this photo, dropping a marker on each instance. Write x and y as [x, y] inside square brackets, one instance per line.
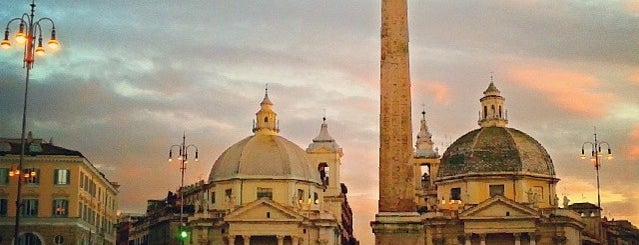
[197, 206]
[531, 196]
[556, 203]
[566, 201]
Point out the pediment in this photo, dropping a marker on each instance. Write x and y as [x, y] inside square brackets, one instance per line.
[263, 210]
[499, 207]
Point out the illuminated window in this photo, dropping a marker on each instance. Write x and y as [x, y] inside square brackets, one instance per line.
[33, 175]
[60, 207]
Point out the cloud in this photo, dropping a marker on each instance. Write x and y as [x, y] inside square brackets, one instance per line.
[634, 77]
[438, 91]
[573, 91]
[633, 148]
[632, 6]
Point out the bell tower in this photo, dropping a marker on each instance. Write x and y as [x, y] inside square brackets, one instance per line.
[397, 219]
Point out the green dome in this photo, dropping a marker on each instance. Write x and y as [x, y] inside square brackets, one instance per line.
[495, 150]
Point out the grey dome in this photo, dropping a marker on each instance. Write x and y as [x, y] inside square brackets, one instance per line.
[264, 156]
[495, 150]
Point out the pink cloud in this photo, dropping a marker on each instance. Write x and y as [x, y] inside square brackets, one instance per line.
[438, 90]
[572, 91]
[632, 6]
[633, 149]
[634, 77]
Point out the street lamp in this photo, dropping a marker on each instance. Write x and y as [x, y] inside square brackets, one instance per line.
[29, 30]
[183, 156]
[595, 153]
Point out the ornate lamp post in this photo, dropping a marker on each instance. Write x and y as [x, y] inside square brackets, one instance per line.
[183, 156]
[29, 30]
[595, 153]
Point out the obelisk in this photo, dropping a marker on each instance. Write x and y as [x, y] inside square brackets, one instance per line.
[396, 186]
[397, 221]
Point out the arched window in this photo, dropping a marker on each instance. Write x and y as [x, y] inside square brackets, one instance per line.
[29, 239]
[265, 119]
[323, 169]
[485, 112]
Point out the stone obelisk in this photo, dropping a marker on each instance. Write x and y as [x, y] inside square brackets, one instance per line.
[397, 221]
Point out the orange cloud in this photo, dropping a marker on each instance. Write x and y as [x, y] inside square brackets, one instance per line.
[570, 90]
[434, 89]
[632, 6]
[633, 151]
[634, 77]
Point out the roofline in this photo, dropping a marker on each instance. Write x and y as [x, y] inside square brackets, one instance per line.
[511, 174]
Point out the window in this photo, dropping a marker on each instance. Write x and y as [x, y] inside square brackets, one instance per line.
[30, 208]
[300, 195]
[265, 193]
[496, 190]
[323, 171]
[4, 202]
[81, 180]
[60, 207]
[212, 197]
[228, 193]
[29, 239]
[315, 198]
[34, 175]
[4, 176]
[61, 176]
[455, 193]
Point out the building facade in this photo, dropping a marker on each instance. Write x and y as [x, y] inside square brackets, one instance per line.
[263, 189]
[65, 199]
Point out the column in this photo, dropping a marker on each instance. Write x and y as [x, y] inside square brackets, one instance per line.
[231, 239]
[483, 239]
[532, 238]
[280, 240]
[295, 240]
[517, 238]
[467, 237]
[247, 239]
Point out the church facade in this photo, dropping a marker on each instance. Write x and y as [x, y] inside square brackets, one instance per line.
[493, 185]
[263, 189]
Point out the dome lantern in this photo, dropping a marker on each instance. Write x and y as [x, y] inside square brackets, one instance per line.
[266, 119]
[492, 113]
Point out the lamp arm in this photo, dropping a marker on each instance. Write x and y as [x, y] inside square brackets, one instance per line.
[12, 20]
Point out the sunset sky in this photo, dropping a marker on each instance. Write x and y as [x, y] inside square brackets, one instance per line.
[133, 76]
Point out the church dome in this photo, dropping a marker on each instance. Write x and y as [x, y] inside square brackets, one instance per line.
[264, 155]
[495, 150]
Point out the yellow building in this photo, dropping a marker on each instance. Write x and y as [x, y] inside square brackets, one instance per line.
[262, 190]
[65, 199]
